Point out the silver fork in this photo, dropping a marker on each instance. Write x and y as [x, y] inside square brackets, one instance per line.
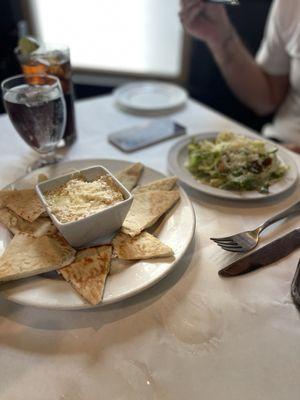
[245, 241]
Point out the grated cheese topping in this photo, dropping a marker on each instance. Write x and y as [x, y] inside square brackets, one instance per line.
[79, 198]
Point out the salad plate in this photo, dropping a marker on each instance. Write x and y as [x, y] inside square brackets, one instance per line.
[177, 165]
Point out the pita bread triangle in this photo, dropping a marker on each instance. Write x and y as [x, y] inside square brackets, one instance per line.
[27, 255]
[41, 226]
[24, 203]
[87, 274]
[146, 208]
[140, 247]
[130, 176]
[3, 197]
[88, 252]
[161, 184]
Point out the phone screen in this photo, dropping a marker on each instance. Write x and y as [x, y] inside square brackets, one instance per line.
[152, 132]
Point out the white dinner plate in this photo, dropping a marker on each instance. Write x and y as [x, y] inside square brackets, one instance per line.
[177, 159]
[150, 97]
[127, 278]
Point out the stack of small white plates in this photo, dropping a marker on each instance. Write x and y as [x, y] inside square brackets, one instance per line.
[150, 97]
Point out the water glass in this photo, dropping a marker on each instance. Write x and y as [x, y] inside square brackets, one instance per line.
[36, 107]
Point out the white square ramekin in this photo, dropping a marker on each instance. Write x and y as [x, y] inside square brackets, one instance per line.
[98, 228]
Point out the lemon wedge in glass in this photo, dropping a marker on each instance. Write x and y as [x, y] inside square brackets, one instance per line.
[27, 45]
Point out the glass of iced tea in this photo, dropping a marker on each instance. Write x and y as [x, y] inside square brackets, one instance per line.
[54, 59]
[36, 107]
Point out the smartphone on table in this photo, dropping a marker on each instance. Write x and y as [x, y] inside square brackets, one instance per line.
[147, 134]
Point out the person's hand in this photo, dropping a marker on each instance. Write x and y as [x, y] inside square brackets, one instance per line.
[208, 22]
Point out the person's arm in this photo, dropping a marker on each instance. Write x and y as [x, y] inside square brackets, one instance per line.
[262, 92]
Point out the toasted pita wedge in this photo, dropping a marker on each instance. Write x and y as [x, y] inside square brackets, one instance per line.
[146, 208]
[24, 203]
[4, 195]
[14, 223]
[130, 176]
[161, 184]
[87, 274]
[89, 252]
[140, 247]
[27, 255]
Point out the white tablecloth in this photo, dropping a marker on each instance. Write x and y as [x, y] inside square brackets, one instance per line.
[191, 336]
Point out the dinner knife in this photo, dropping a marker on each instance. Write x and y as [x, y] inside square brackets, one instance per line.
[266, 255]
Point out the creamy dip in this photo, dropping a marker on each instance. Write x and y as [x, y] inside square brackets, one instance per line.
[79, 198]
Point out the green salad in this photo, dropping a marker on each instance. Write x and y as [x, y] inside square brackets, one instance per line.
[235, 162]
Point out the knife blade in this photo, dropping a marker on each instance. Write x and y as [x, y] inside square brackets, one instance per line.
[266, 255]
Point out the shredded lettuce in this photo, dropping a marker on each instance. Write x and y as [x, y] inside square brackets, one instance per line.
[235, 162]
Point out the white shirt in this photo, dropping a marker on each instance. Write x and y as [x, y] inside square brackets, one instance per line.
[279, 54]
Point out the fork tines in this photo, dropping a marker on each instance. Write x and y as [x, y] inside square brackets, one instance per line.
[228, 244]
